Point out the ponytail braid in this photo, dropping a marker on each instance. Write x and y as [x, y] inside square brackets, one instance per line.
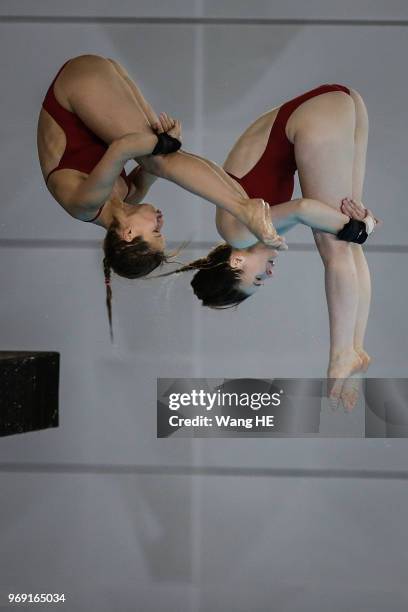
[107, 273]
[134, 259]
[197, 264]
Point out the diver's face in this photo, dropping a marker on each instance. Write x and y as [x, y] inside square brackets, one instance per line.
[256, 264]
[146, 221]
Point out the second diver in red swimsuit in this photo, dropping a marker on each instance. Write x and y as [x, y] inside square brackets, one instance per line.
[322, 135]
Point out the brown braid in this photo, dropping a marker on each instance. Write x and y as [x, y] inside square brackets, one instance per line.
[107, 272]
[134, 259]
[198, 264]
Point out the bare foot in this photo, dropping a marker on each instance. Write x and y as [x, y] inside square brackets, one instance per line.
[351, 388]
[350, 393]
[256, 216]
[341, 367]
[365, 358]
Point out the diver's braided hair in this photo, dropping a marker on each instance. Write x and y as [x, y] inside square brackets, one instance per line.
[107, 273]
[215, 283]
[134, 259]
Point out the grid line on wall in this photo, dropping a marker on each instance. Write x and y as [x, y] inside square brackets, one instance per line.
[65, 19]
[159, 470]
[38, 243]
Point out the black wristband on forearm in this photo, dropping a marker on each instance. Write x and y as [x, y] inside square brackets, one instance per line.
[353, 231]
[166, 144]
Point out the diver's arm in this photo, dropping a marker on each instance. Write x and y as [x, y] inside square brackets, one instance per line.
[309, 212]
[90, 193]
[233, 231]
[285, 216]
[142, 180]
[321, 216]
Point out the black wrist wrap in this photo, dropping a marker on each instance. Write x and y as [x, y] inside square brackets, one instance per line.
[353, 231]
[166, 144]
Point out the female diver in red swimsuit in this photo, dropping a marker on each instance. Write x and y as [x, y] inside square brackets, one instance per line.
[93, 119]
[323, 135]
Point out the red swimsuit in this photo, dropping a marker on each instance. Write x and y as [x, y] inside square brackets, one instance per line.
[273, 176]
[83, 148]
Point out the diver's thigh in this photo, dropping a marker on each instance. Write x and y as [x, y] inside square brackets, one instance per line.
[360, 144]
[325, 170]
[324, 151]
[102, 99]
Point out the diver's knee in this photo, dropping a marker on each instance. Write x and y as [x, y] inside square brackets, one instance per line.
[333, 250]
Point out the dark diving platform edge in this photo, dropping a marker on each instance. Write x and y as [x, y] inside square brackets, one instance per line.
[29, 391]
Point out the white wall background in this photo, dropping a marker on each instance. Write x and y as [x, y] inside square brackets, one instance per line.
[99, 508]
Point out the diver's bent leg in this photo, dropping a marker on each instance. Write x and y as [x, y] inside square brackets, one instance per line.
[324, 155]
[363, 272]
[194, 174]
[102, 99]
[363, 309]
[341, 292]
[150, 113]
